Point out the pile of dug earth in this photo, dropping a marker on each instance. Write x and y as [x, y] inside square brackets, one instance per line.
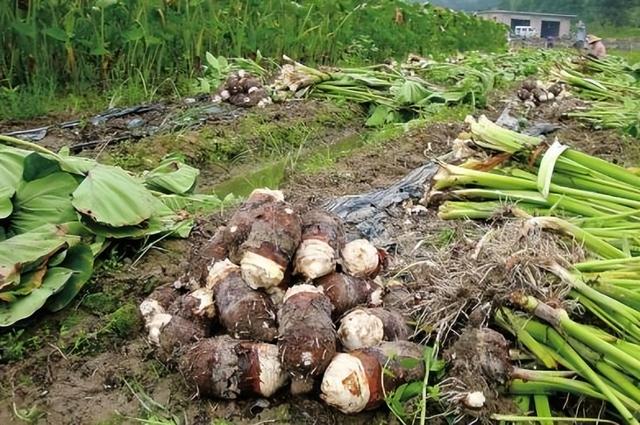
[264, 314]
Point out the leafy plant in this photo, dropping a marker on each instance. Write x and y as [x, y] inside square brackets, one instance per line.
[408, 402]
[78, 44]
[60, 212]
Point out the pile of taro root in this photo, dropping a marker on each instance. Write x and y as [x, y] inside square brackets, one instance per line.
[535, 92]
[285, 302]
[242, 89]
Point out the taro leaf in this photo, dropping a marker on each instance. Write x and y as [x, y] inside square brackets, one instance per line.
[57, 259]
[79, 259]
[172, 176]
[28, 283]
[42, 201]
[99, 245]
[28, 251]
[379, 116]
[11, 167]
[6, 206]
[37, 166]
[110, 196]
[76, 165]
[199, 203]
[25, 306]
[411, 93]
[163, 221]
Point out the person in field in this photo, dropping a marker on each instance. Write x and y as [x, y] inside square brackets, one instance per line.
[596, 47]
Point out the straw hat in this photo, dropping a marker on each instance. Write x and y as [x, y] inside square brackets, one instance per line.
[593, 38]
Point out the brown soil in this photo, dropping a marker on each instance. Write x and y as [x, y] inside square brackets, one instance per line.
[97, 386]
[112, 380]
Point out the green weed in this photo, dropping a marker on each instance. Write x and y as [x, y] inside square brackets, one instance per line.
[100, 303]
[135, 50]
[410, 401]
[29, 415]
[121, 324]
[632, 56]
[153, 413]
[15, 345]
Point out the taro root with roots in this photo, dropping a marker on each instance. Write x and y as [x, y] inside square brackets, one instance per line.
[270, 245]
[396, 295]
[366, 327]
[322, 241]
[196, 306]
[215, 250]
[347, 292]
[307, 335]
[227, 368]
[170, 333]
[361, 258]
[358, 380]
[244, 312]
[239, 226]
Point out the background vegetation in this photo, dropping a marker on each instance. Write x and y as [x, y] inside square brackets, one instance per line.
[76, 44]
[603, 13]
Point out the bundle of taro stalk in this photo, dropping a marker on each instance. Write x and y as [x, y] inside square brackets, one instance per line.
[263, 313]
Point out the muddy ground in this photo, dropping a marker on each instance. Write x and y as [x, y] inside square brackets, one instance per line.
[90, 364]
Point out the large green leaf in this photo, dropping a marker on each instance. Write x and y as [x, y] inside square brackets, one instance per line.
[11, 167]
[163, 221]
[79, 259]
[172, 176]
[28, 251]
[28, 283]
[110, 196]
[43, 201]
[24, 307]
[6, 206]
[37, 166]
[198, 203]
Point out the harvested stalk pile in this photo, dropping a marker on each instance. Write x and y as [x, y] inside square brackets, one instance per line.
[59, 212]
[394, 92]
[612, 88]
[585, 336]
[277, 283]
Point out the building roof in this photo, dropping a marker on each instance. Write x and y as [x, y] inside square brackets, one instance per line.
[515, 12]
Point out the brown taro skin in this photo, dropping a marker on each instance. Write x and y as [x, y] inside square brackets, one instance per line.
[177, 335]
[187, 307]
[319, 225]
[244, 312]
[307, 340]
[394, 324]
[239, 226]
[214, 250]
[164, 295]
[345, 291]
[224, 367]
[212, 365]
[275, 233]
[324, 226]
[392, 356]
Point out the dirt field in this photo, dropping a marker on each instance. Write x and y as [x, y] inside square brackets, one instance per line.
[90, 363]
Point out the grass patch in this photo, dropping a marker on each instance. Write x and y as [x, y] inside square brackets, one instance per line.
[261, 136]
[16, 344]
[631, 56]
[610, 31]
[135, 49]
